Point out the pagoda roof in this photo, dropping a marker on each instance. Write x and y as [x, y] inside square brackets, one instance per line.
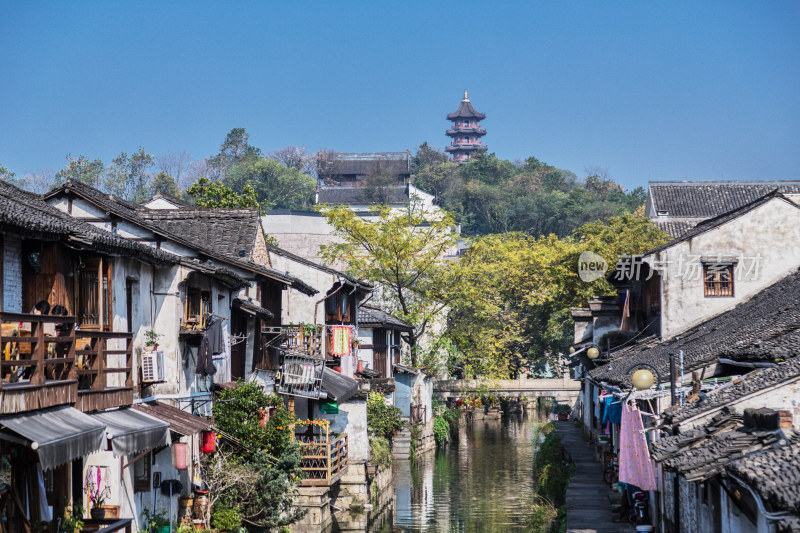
[465, 110]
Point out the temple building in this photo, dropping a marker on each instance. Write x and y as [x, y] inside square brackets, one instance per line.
[466, 131]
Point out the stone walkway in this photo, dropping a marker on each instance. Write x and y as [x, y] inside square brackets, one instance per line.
[588, 506]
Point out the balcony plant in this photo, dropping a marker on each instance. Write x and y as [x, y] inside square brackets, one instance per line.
[151, 339]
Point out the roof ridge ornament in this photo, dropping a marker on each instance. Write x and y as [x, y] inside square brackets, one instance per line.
[466, 98]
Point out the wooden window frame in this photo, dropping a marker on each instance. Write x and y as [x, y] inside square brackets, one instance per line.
[142, 484]
[195, 297]
[714, 283]
[104, 311]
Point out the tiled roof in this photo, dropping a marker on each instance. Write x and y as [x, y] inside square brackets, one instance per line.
[365, 163]
[751, 383]
[770, 318]
[774, 474]
[27, 212]
[224, 230]
[702, 453]
[719, 220]
[179, 421]
[302, 260]
[675, 228]
[397, 194]
[703, 199]
[465, 110]
[169, 198]
[136, 215]
[374, 317]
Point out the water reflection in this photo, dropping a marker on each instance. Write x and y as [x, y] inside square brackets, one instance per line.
[482, 484]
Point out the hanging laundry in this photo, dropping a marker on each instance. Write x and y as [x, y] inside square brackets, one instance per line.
[340, 340]
[613, 410]
[635, 466]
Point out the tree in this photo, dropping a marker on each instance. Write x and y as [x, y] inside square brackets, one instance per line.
[208, 193]
[129, 176]
[441, 180]
[234, 149]
[276, 186]
[427, 156]
[294, 157]
[165, 184]
[404, 252]
[379, 183]
[177, 164]
[262, 461]
[83, 170]
[326, 165]
[510, 299]
[8, 176]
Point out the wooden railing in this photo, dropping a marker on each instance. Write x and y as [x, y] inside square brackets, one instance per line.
[323, 461]
[97, 362]
[108, 525]
[37, 369]
[45, 361]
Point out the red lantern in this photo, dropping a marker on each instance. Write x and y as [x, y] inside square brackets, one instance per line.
[208, 441]
[459, 402]
[179, 460]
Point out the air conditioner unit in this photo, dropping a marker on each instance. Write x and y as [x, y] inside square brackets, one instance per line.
[152, 366]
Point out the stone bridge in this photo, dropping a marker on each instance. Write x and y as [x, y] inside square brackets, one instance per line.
[563, 389]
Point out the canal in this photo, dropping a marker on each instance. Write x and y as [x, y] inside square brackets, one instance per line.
[482, 483]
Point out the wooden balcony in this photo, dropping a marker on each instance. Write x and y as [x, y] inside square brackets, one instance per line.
[46, 362]
[104, 361]
[37, 369]
[324, 460]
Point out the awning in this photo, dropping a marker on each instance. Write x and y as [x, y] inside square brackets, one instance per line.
[131, 431]
[58, 435]
[252, 308]
[179, 421]
[339, 387]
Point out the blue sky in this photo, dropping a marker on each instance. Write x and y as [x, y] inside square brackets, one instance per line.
[648, 90]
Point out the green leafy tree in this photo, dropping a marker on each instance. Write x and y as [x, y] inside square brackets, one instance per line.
[208, 193]
[236, 148]
[165, 184]
[8, 176]
[427, 156]
[276, 186]
[262, 463]
[510, 302]
[129, 176]
[404, 252]
[83, 170]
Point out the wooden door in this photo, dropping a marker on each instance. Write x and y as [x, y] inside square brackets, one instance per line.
[238, 350]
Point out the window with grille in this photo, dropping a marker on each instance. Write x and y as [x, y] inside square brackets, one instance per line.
[717, 280]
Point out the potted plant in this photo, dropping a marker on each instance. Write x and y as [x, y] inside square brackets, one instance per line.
[97, 499]
[151, 340]
[225, 518]
[72, 520]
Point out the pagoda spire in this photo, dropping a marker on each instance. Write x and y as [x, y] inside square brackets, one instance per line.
[465, 132]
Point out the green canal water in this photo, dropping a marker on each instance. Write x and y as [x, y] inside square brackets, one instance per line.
[482, 483]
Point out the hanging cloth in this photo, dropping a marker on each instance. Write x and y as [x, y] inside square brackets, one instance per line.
[340, 340]
[635, 466]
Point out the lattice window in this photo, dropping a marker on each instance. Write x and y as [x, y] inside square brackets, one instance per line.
[717, 280]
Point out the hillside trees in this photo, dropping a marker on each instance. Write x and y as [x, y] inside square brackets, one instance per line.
[491, 195]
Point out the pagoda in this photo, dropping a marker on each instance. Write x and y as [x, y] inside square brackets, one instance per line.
[466, 131]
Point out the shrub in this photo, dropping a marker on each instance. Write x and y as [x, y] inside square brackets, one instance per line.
[379, 452]
[225, 518]
[382, 420]
[441, 430]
